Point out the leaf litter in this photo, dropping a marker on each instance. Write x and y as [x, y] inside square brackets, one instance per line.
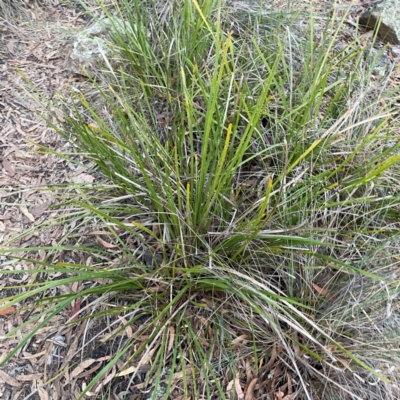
[33, 46]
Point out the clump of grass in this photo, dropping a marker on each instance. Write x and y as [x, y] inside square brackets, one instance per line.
[251, 210]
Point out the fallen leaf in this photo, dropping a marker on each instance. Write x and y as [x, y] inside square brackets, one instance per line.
[249, 374]
[34, 127]
[290, 396]
[148, 357]
[241, 339]
[29, 378]
[76, 309]
[238, 387]
[8, 379]
[89, 372]
[289, 382]
[250, 389]
[10, 46]
[171, 331]
[7, 310]
[323, 292]
[126, 371]
[29, 356]
[43, 394]
[107, 233]
[8, 167]
[106, 380]
[343, 361]
[229, 389]
[81, 367]
[106, 244]
[279, 395]
[27, 213]
[38, 210]
[83, 178]
[179, 375]
[128, 328]
[17, 394]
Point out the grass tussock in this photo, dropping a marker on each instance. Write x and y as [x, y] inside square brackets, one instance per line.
[250, 215]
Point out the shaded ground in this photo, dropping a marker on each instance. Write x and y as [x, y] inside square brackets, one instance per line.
[39, 51]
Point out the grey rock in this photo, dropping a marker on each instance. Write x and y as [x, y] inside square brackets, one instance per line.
[379, 61]
[385, 18]
[395, 50]
[152, 259]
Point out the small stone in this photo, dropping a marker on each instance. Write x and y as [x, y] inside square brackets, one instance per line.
[379, 61]
[385, 18]
[152, 259]
[395, 50]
